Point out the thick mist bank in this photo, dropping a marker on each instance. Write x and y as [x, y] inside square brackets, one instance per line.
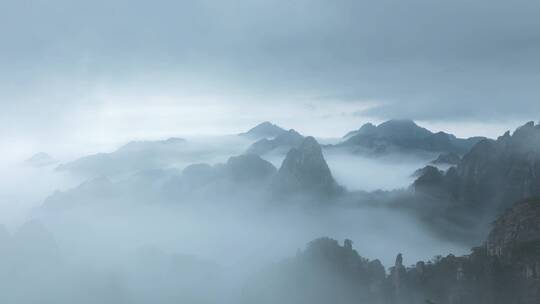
[196, 253]
[231, 234]
[389, 172]
[24, 187]
[355, 172]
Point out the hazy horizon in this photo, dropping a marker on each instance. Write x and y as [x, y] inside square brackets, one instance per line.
[97, 205]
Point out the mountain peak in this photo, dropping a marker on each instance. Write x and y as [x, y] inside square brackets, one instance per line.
[401, 122]
[405, 134]
[264, 130]
[305, 170]
[402, 127]
[309, 143]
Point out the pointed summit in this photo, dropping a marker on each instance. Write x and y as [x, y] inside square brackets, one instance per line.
[263, 130]
[305, 170]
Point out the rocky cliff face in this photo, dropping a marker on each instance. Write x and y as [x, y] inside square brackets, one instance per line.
[494, 273]
[504, 270]
[496, 173]
[502, 171]
[325, 272]
[516, 231]
[305, 170]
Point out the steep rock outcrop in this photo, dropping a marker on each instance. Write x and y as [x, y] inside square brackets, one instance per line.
[517, 230]
[506, 270]
[325, 272]
[495, 173]
[305, 170]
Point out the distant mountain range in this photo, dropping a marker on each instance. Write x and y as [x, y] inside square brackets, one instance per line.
[403, 135]
[485, 180]
[488, 180]
[304, 172]
[132, 157]
[392, 136]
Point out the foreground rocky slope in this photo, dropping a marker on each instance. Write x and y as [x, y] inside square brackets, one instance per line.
[505, 270]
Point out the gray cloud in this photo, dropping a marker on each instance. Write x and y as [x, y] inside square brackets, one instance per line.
[419, 59]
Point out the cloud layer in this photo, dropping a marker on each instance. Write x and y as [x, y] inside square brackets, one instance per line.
[417, 59]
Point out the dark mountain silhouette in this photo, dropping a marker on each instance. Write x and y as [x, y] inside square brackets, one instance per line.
[506, 270]
[429, 180]
[517, 231]
[263, 130]
[493, 174]
[325, 272]
[399, 135]
[304, 169]
[282, 143]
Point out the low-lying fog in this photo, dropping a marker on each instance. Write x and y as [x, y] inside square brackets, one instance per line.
[359, 172]
[103, 247]
[389, 172]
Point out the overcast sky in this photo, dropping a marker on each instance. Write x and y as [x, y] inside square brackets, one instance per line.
[104, 71]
